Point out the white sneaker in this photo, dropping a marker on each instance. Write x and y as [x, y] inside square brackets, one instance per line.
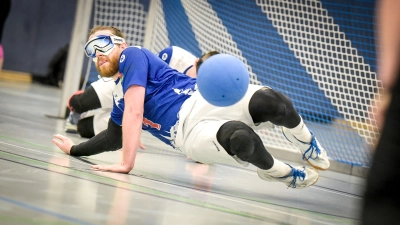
[300, 177]
[71, 123]
[312, 152]
[70, 128]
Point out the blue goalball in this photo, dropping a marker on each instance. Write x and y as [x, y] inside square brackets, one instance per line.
[223, 80]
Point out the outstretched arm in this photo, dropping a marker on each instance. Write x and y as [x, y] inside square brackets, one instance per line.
[131, 130]
[107, 140]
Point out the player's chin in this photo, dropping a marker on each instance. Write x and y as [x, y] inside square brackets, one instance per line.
[108, 69]
[106, 72]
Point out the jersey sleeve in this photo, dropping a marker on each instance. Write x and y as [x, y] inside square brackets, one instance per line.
[133, 65]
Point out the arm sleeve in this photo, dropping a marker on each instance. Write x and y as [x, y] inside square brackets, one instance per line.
[107, 140]
[86, 101]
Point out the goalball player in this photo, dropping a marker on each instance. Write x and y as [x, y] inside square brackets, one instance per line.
[90, 109]
[150, 95]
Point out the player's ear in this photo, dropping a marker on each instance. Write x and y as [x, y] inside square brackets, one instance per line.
[123, 45]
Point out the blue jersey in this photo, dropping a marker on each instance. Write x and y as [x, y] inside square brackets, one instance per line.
[166, 90]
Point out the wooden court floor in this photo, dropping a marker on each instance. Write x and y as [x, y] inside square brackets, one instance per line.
[39, 184]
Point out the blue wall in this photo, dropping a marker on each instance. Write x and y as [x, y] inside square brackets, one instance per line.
[34, 31]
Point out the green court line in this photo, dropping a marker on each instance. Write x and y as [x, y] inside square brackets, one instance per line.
[343, 220]
[323, 215]
[145, 189]
[25, 142]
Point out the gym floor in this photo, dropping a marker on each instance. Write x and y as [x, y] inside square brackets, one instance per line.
[39, 184]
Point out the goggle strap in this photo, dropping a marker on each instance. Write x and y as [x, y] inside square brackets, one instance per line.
[117, 40]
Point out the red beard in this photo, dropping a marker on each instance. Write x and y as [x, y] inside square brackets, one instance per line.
[111, 69]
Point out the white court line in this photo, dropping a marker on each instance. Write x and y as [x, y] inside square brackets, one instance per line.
[186, 188]
[242, 170]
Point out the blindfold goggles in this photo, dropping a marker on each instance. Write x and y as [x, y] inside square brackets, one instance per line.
[102, 43]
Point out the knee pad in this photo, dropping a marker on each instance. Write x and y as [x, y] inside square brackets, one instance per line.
[85, 127]
[237, 138]
[242, 144]
[271, 105]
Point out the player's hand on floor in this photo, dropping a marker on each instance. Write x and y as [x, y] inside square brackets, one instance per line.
[117, 168]
[64, 143]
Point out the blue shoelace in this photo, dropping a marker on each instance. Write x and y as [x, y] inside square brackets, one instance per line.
[313, 147]
[297, 174]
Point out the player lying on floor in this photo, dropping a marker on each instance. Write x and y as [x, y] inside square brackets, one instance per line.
[90, 109]
[152, 96]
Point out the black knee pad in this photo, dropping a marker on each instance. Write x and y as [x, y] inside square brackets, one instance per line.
[270, 105]
[242, 144]
[85, 127]
[237, 138]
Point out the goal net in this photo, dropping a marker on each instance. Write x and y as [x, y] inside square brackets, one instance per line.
[321, 54]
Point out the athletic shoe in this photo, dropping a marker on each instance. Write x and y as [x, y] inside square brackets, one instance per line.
[299, 177]
[71, 123]
[312, 152]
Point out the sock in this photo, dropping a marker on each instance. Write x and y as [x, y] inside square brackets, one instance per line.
[301, 132]
[279, 169]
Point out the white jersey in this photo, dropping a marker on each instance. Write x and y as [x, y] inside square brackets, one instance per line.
[104, 88]
[199, 122]
[177, 58]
